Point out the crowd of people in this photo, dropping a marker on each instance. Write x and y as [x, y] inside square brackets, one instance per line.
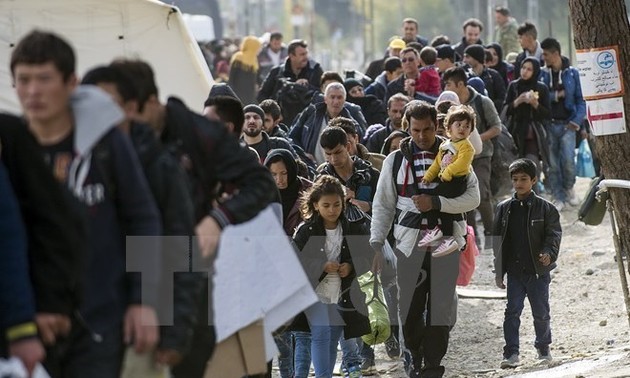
[380, 173]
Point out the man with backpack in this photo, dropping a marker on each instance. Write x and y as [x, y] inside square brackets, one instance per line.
[489, 126]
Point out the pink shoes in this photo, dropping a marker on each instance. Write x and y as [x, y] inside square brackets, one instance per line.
[430, 238]
[447, 246]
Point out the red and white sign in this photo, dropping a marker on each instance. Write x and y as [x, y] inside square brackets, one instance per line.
[606, 116]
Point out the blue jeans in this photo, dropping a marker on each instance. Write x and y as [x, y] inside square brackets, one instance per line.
[561, 160]
[326, 328]
[284, 342]
[537, 291]
[302, 354]
[294, 358]
[350, 352]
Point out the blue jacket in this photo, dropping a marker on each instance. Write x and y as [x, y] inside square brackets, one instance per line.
[573, 100]
[306, 128]
[16, 292]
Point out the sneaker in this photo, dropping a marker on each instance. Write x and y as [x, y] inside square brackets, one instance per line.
[354, 372]
[510, 362]
[544, 354]
[573, 198]
[448, 246]
[430, 238]
[559, 205]
[368, 367]
[392, 346]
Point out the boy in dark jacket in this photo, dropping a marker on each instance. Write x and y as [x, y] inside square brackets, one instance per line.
[530, 234]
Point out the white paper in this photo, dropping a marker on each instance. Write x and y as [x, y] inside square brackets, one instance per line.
[257, 270]
[328, 290]
[606, 116]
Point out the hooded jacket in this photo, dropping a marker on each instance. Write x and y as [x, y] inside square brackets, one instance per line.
[543, 233]
[573, 100]
[106, 176]
[244, 70]
[291, 195]
[55, 221]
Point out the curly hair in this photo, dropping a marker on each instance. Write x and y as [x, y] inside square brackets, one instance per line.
[324, 185]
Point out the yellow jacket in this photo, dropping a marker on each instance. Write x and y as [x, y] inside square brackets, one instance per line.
[463, 153]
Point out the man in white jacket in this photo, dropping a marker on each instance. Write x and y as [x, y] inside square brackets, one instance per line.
[425, 283]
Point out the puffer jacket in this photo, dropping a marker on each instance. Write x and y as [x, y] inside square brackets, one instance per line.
[543, 231]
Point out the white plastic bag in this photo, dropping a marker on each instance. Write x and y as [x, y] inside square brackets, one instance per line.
[14, 368]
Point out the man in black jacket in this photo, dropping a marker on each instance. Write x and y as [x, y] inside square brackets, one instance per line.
[211, 156]
[474, 57]
[169, 186]
[298, 68]
[56, 235]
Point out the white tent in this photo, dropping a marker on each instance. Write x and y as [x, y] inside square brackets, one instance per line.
[101, 30]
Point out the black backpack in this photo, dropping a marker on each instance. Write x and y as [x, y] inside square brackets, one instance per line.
[293, 98]
[591, 210]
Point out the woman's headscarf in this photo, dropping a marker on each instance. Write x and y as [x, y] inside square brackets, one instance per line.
[530, 84]
[290, 194]
[496, 47]
[247, 57]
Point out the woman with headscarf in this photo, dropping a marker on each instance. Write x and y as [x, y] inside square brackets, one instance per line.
[528, 109]
[294, 343]
[497, 62]
[244, 70]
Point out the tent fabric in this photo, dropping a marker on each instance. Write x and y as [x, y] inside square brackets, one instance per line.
[101, 31]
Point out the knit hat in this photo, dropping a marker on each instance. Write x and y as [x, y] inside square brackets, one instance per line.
[478, 85]
[252, 108]
[477, 52]
[445, 52]
[397, 43]
[447, 96]
[351, 83]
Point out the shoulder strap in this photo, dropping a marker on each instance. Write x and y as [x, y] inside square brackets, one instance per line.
[479, 104]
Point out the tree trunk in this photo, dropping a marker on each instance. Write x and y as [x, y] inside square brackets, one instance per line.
[598, 24]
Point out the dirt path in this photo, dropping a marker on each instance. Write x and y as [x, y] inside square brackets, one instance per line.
[589, 325]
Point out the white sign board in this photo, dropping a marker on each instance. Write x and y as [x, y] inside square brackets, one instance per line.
[606, 116]
[600, 73]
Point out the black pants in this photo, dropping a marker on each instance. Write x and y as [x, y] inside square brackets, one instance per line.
[451, 189]
[428, 306]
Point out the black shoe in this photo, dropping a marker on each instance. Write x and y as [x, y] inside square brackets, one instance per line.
[412, 365]
[392, 346]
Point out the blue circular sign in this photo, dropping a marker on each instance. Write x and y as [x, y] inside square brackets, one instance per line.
[605, 60]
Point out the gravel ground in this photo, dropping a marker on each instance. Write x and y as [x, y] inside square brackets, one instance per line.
[589, 322]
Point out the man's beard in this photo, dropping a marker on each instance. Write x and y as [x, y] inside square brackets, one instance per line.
[252, 133]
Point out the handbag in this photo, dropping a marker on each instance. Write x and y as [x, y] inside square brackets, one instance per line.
[584, 166]
[378, 314]
[592, 210]
[467, 260]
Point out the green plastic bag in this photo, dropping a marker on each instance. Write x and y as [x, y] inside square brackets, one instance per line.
[377, 309]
